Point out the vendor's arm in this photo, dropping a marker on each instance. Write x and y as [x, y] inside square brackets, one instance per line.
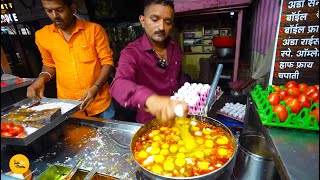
[163, 108]
[129, 93]
[91, 93]
[124, 87]
[36, 89]
[104, 53]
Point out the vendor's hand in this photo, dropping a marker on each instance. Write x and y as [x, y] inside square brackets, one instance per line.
[36, 90]
[162, 107]
[88, 97]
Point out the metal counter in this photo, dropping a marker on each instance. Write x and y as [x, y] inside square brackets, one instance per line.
[25, 82]
[296, 152]
[105, 145]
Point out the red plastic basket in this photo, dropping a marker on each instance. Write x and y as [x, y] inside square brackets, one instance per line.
[224, 42]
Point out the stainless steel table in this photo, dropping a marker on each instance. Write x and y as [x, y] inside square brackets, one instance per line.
[104, 144]
[296, 152]
[25, 82]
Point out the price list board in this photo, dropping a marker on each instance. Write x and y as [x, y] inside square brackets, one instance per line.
[297, 51]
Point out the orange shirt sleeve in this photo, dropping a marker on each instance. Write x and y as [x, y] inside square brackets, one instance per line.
[46, 56]
[103, 49]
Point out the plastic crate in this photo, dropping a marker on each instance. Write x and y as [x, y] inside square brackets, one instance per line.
[302, 120]
[231, 123]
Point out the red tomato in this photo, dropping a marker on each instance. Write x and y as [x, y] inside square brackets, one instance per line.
[315, 113]
[17, 130]
[295, 105]
[294, 91]
[281, 111]
[317, 101]
[276, 88]
[287, 98]
[314, 96]
[283, 93]
[310, 90]
[317, 86]
[6, 126]
[22, 135]
[304, 100]
[303, 87]
[274, 98]
[291, 84]
[6, 134]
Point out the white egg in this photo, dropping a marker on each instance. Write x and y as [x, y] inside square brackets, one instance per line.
[180, 91]
[206, 86]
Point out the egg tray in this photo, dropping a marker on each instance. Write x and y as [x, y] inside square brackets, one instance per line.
[302, 120]
[235, 118]
[47, 123]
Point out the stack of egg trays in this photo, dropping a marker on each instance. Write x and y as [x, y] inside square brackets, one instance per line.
[302, 120]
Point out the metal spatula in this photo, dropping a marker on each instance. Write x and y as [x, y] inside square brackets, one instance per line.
[214, 85]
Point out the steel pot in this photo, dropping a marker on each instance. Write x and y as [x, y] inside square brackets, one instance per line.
[213, 175]
[225, 52]
[254, 159]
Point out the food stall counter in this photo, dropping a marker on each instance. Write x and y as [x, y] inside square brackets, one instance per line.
[104, 144]
[10, 82]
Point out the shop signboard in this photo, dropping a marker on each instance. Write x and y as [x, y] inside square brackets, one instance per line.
[8, 13]
[296, 55]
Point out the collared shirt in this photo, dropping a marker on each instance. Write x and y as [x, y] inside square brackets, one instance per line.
[138, 76]
[77, 62]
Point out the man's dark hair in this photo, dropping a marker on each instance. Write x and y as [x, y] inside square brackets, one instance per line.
[162, 2]
[67, 2]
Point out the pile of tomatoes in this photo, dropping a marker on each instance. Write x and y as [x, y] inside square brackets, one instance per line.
[296, 96]
[8, 129]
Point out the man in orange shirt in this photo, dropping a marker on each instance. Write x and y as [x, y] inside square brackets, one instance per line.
[77, 52]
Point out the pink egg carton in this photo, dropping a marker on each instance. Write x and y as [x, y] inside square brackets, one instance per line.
[197, 109]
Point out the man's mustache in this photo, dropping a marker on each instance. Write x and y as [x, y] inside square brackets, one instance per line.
[58, 20]
[160, 32]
